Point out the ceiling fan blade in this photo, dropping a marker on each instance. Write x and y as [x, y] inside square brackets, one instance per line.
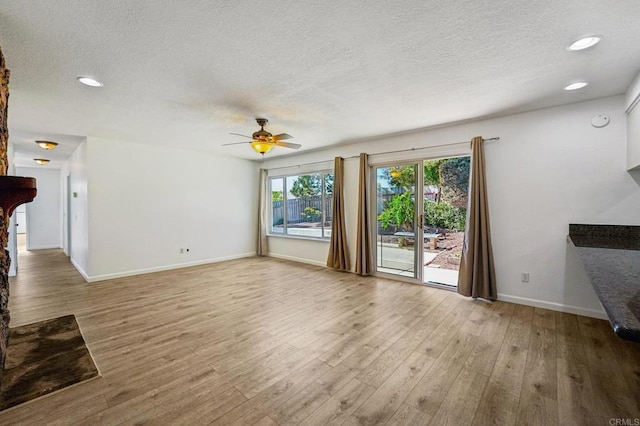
[288, 145]
[281, 136]
[236, 143]
[244, 136]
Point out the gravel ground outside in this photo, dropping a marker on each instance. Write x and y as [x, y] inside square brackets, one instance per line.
[448, 251]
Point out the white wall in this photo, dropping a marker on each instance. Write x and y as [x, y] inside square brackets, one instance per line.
[77, 168]
[146, 202]
[633, 124]
[44, 212]
[550, 168]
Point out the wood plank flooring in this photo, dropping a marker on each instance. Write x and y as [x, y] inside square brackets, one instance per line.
[271, 342]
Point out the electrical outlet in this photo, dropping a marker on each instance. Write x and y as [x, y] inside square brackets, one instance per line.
[525, 277]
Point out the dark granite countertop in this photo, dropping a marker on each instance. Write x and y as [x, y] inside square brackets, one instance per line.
[603, 242]
[611, 257]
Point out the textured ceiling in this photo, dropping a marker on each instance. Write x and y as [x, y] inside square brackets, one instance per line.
[187, 73]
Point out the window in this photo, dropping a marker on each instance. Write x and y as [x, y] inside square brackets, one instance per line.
[301, 205]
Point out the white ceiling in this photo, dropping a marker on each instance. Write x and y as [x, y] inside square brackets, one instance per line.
[188, 73]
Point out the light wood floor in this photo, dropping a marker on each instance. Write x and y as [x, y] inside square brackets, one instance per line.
[265, 341]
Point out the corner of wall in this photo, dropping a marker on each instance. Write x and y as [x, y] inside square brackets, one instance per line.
[76, 167]
[632, 96]
[632, 99]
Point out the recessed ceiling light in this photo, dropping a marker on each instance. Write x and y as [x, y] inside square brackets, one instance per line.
[576, 85]
[585, 42]
[89, 81]
[47, 144]
[41, 161]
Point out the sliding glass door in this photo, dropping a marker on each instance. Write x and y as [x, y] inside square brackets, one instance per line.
[398, 219]
[420, 211]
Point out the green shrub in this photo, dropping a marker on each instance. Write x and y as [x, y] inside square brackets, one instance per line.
[398, 212]
[444, 215]
[311, 214]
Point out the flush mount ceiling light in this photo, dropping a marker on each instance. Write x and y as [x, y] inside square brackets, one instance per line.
[577, 85]
[585, 42]
[48, 145]
[89, 81]
[41, 161]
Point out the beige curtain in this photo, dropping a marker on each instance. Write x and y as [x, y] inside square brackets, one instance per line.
[364, 255]
[338, 249]
[262, 214]
[477, 274]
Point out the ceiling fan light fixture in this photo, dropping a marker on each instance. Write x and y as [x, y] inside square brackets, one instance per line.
[262, 147]
[48, 145]
[262, 141]
[41, 161]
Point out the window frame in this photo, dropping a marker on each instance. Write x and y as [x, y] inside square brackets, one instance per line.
[285, 219]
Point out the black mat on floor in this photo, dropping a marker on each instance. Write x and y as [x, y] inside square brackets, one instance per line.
[43, 357]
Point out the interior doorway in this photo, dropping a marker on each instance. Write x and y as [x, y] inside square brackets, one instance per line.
[420, 209]
[20, 215]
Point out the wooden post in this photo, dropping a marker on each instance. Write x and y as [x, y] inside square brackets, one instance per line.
[4, 104]
[5, 260]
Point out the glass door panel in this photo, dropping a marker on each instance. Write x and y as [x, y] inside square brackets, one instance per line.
[397, 248]
[446, 195]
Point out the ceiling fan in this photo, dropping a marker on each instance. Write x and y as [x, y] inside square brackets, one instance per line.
[263, 141]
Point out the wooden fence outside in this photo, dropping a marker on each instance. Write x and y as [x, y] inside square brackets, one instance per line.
[297, 210]
[296, 207]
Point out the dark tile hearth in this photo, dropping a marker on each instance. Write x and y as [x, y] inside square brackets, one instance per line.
[43, 357]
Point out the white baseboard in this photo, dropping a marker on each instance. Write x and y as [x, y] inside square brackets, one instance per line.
[82, 272]
[553, 306]
[29, 248]
[104, 277]
[297, 259]
[600, 314]
[593, 313]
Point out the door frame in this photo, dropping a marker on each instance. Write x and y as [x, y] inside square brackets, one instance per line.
[433, 153]
[418, 252]
[68, 218]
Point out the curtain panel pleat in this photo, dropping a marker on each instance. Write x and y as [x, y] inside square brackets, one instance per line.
[477, 276]
[364, 255]
[262, 214]
[338, 249]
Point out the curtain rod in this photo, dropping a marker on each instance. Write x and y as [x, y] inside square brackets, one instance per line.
[497, 138]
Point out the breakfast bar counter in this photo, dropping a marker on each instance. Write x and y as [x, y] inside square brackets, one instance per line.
[611, 257]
